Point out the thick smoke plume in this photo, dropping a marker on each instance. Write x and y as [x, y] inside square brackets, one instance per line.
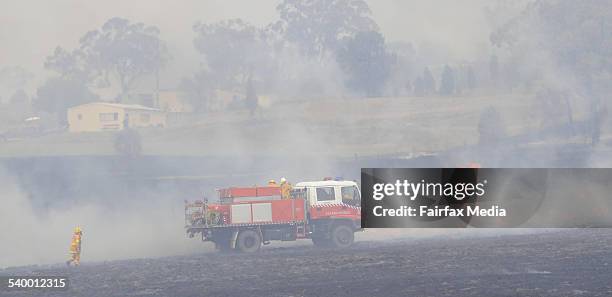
[34, 235]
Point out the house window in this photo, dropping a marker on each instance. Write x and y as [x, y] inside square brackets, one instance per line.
[145, 117]
[109, 117]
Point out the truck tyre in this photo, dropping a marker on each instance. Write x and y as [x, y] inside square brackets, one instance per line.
[342, 236]
[248, 241]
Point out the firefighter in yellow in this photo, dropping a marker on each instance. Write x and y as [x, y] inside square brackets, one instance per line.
[75, 247]
[285, 188]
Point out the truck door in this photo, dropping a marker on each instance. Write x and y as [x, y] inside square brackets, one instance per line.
[350, 195]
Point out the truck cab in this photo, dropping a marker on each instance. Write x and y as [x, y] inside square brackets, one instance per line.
[334, 211]
[330, 192]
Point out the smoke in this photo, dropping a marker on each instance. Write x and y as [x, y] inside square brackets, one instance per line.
[42, 236]
[304, 137]
[458, 27]
[576, 198]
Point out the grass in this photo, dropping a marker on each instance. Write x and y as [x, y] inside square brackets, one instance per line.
[341, 127]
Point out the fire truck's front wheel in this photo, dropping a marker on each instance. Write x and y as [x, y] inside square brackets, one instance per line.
[342, 236]
[248, 241]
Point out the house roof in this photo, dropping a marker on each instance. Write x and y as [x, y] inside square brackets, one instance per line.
[119, 105]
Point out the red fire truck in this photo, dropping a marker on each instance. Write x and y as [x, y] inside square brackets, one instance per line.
[328, 212]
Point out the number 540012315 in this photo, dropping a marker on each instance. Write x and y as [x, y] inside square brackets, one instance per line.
[35, 282]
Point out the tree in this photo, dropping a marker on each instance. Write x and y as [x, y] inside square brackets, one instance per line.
[573, 34]
[401, 72]
[58, 94]
[70, 65]
[429, 83]
[408, 85]
[120, 50]
[251, 97]
[234, 50]
[447, 83]
[571, 41]
[366, 62]
[199, 90]
[318, 26]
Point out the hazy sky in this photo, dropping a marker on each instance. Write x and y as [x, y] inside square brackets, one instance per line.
[31, 29]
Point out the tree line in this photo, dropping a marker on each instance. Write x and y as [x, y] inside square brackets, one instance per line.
[330, 39]
[334, 47]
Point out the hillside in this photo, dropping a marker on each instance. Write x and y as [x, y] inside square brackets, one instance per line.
[337, 127]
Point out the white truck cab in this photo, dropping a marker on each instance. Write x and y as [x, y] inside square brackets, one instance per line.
[331, 192]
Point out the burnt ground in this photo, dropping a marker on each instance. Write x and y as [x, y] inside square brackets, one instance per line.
[556, 263]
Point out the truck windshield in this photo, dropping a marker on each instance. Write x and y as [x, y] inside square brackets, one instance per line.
[350, 196]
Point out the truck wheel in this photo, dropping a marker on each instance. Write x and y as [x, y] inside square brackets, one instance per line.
[248, 241]
[342, 236]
